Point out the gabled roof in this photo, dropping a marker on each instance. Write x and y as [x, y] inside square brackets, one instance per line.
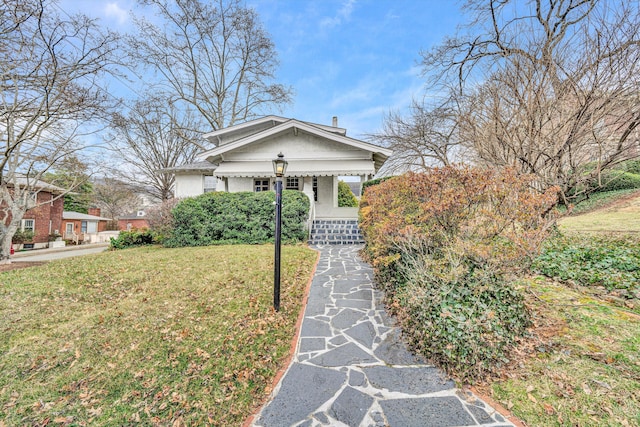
[82, 217]
[37, 185]
[258, 124]
[380, 154]
[202, 166]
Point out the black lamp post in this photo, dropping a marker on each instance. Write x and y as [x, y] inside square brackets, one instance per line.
[279, 168]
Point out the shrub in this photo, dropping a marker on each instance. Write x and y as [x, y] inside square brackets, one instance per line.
[446, 244]
[465, 326]
[22, 236]
[246, 217]
[618, 180]
[611, 262]
[160, 219]
[375, 181]
[346, 198]
[132, 238]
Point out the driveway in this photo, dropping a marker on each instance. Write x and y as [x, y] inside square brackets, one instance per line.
[40, 255]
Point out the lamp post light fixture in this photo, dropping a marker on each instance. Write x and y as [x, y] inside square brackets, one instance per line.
[279, 168]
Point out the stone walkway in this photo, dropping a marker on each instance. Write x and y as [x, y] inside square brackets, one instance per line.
[352, 368]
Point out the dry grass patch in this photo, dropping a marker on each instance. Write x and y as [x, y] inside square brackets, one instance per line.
[622, 216]
[154, 336]
[585, 368]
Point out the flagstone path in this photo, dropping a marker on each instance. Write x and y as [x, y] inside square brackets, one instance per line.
[352, 368]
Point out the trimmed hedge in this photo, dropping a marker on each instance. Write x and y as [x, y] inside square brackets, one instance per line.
[132, 238]
[235, 218]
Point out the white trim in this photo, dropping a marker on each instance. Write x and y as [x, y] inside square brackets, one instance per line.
[24, 221]
[296, 168]
[213, 154]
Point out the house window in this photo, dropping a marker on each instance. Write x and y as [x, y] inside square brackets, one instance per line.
[292, 184]
[315, 188]
[260, 185]
[83, 227]
[29, 225]
[210, 183]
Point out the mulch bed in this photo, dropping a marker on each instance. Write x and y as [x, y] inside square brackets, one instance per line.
[15, 265]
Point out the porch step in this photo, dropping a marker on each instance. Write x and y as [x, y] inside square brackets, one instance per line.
[335, 232]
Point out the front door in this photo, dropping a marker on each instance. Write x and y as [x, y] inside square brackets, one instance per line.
[69, 228]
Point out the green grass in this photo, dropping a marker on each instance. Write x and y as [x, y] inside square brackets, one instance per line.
[585, 370]
[598, 200]
[149, 335]
[621, 217]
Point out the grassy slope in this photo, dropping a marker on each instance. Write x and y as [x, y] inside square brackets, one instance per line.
[159, 336]
[584, 370]
[622, 216]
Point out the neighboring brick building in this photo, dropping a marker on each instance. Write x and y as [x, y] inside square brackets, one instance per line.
[80, 227]
[44, 219]
[133, 220]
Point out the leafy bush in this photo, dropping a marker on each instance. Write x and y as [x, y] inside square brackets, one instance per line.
[346, 198]
[444, 244]
[632, 166]
[465, 326]
[215, 218]
[618, 180]
[22, 236]
[375, 181]
[612, 262]
[132, 238]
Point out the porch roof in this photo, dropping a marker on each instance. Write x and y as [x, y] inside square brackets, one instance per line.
[296, 168]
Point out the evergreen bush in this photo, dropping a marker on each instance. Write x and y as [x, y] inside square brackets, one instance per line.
[244, 217]
[346, 198]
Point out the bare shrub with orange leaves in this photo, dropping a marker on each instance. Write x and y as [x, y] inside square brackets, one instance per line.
[443, 245]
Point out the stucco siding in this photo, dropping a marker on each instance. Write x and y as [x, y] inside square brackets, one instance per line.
[189, 185]
[297, 147]
[240, 184]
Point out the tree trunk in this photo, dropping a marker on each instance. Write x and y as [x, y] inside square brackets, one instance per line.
[5, 241]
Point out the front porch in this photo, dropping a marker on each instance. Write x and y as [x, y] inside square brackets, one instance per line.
[322, 191]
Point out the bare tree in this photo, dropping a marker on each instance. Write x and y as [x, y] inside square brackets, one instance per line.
[155, 135]
[426, 137]
[551, 86]
[114, 197]
[50, 68]
[215, 57]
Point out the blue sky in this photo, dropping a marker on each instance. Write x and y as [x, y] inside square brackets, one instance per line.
[355, 59]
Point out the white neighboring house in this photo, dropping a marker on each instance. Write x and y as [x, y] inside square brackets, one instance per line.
[317, 156]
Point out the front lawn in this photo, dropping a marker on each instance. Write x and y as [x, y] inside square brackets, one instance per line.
[585, 368]
[149, 335]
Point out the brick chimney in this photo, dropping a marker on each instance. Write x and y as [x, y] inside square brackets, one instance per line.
[94, 211]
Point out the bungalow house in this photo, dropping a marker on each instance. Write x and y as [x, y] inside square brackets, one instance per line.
[84, 228]
[317, 155]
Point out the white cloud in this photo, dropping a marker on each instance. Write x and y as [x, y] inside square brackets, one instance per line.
[113, 10]
[342, 15]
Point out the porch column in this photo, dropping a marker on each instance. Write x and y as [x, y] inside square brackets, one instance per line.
[335, 191]
[307, 187]
[221, 184]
